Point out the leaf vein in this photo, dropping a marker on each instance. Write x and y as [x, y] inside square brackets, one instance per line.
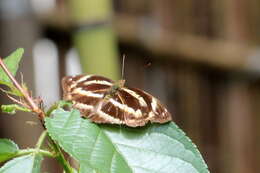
[118, 151]
[151, 151]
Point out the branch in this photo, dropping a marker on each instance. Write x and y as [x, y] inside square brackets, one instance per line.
[36, 109]
[32, 151]
[33, 106]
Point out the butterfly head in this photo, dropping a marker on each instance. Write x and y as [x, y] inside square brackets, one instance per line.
[115, 88]
[121, 83]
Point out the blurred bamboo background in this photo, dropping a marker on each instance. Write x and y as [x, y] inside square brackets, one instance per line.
[202, 59]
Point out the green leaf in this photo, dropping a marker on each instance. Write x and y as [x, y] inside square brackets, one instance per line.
[25, 164]
[12, 108]
[11, 62]
[155, 148]
[84, 168]
[59, 104]
[7, 149]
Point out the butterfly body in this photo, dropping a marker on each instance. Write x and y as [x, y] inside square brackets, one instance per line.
[104, 101]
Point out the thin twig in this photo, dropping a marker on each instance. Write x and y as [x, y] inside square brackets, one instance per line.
[41, 139]
[37, 109]
[17, 101]
[33, 151]
[25, 93]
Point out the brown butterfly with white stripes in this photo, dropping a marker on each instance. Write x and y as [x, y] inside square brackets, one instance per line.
[104, 101]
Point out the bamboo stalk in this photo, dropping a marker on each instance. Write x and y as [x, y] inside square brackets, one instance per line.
[94, 37]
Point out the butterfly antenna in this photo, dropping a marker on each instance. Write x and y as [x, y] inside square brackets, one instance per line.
[123, 67]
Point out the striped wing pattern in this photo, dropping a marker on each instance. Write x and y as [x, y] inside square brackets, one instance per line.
[94, 96]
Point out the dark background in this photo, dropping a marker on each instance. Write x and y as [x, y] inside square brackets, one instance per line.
[200, 58]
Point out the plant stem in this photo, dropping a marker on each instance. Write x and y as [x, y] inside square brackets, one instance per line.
[35, 108]
[25, 93]
[41, 139]
[59, 156]
[61, 159]
[36, 150]
[33, 151]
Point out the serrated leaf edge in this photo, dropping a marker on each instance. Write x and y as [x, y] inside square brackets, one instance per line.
[100, 131]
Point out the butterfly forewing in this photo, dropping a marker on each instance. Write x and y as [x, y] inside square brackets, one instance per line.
[102, 101]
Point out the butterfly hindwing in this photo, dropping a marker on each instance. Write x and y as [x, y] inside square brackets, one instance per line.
[155, 110]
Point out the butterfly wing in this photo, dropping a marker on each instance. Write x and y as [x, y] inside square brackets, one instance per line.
[130, 106]
[87, 94]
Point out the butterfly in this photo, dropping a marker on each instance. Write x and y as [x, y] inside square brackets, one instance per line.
[102, 100]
